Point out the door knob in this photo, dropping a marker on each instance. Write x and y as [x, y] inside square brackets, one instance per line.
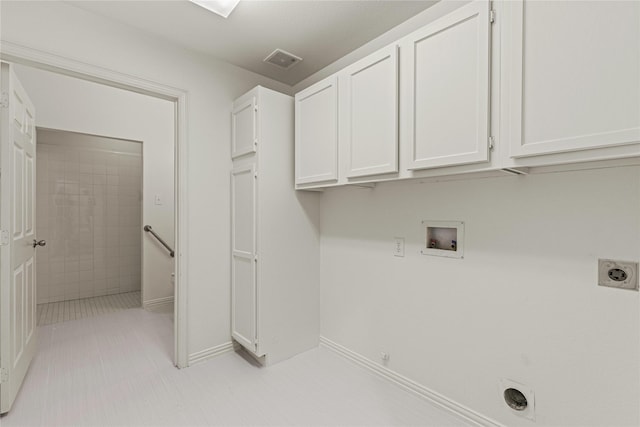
[39, 243]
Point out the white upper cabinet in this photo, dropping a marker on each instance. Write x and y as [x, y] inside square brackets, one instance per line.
[369, 114]
[316, 133]
[572, 78]
[445, 74]
[550, 82]
[243, 127]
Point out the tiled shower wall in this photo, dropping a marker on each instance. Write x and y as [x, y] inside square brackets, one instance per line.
[89, 202]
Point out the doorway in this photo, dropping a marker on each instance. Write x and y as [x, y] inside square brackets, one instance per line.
[178, 98]
[107, 171]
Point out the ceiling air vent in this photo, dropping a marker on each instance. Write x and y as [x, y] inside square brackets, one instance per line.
[282, 59]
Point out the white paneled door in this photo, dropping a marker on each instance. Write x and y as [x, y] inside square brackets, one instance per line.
[17, 225]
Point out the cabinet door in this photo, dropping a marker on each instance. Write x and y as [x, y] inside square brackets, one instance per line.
[447, 82]
[243, 257]
[244, 128]
[573, 72]
[317, 133]
[369, 119]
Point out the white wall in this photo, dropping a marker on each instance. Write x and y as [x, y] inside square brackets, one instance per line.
[89, 211]
[96, 109]
[212, 86]
[523, 304]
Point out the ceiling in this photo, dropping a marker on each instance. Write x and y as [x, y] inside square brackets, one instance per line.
[318, 31]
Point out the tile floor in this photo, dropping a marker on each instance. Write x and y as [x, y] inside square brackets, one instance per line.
[62, 311]
[116, 369]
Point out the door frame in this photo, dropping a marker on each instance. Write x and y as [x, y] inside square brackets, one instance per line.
[11, 52]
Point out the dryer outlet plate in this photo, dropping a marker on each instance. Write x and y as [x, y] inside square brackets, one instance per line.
[618, 274]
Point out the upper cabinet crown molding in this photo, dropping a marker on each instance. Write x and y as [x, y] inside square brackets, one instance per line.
[446, 70]
[316, 132]
[572, 75]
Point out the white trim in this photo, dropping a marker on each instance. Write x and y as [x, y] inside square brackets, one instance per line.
[211, 352]
[154, 304]
[14, 52]
[74, 68]
[455, 408]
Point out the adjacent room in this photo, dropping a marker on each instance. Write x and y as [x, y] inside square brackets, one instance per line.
[245, 212]
[88, 212]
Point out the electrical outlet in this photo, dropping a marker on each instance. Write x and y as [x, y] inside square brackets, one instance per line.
[618, 274]
[398, 246]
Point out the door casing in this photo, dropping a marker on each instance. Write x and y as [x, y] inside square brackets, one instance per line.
[12, 52]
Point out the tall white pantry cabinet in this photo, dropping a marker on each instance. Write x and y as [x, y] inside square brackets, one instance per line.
[274, 233]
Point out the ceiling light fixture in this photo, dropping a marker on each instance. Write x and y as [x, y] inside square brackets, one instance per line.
[221, 7]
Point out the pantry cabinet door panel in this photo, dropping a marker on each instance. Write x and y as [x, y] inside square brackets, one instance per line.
[243, 128]
[243, 256]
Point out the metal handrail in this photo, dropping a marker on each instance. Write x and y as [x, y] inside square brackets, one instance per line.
[148, 229]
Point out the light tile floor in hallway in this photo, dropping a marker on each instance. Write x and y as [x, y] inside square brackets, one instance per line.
[62, 311]
[116, 370]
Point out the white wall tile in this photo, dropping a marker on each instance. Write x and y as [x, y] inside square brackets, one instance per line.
[86, 178]
[87, 265]
[89, 211]
[71, 266]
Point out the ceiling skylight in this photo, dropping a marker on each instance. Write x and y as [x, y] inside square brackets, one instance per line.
[221, 7]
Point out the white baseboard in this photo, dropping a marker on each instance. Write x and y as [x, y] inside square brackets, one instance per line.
[158, 303]
[210, 353]
[454, 407]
